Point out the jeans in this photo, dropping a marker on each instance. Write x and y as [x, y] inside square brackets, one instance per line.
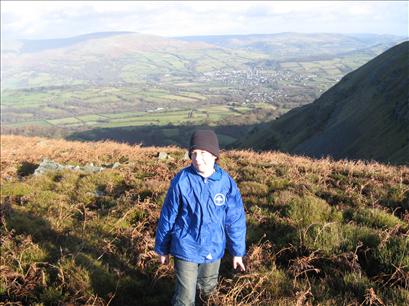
[189, 276]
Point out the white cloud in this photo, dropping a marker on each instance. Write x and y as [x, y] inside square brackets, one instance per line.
[50, 19]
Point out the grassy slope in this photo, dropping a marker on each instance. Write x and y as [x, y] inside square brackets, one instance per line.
[356, 118]
[122, 58]
[319, 231]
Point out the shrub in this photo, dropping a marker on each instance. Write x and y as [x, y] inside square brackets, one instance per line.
[253, 188]
[397, 197]
[283, 198]
[399, 296]
[326, 237]
[308, 210]
[74, 279]
[29, 224]
[101, 280]
[137, 215]
[251, 173]
[279, 183]
[394, 254]
[278, 283]
[354, 235]
[15, 189]
[28, 252]
[52, 296]
[372, 217]
[356, 284]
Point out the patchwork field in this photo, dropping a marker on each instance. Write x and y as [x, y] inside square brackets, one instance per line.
[83, 91]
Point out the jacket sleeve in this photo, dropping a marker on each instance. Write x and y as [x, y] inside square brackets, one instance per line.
[167, 219]
[235, 223]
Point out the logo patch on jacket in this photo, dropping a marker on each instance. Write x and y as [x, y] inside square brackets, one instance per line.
[219, 199]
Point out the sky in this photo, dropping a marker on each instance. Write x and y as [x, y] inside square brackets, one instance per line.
[59, 19]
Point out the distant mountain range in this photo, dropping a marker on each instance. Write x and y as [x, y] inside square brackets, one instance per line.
[319, 43]
[364, 116]
[123, 57]
[287, 45]
[29, 45]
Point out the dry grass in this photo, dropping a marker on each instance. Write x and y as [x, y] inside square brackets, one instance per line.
[320, 232]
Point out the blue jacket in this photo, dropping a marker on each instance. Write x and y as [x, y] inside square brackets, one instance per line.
[199, 215]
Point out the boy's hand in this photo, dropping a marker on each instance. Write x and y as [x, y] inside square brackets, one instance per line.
[164, 259]
[238, 261]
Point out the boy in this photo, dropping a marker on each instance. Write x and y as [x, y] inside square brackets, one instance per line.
[202, 211]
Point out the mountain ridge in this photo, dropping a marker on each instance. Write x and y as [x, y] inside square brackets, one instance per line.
[355, 110]
[35, 45]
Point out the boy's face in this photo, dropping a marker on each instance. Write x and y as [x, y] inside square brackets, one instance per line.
[202, 160]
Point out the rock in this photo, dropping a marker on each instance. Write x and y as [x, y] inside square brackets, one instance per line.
[163, 156]
[49, 165]
[186, 156]
[91, 168]
[116, 165]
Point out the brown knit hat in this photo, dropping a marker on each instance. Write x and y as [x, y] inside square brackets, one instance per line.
[204, 140]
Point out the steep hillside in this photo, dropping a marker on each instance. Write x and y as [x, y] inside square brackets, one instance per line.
[364, 116]
[319, 232]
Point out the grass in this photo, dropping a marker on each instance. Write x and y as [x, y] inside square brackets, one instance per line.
[65, 121]
[320, 232]
[161, 78]
[162, 117]
[90, 118]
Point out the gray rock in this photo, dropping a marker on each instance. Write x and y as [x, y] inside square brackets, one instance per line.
[186, 156]
[116, 165]
[91, 168]
[49, 165]
[163, 156]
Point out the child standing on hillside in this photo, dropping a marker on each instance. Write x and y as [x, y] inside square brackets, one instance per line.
[202, 211]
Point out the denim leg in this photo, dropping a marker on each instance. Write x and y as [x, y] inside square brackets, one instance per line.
[186, 279]
[207, 277]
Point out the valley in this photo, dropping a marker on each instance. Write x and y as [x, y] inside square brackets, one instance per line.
[96, 84]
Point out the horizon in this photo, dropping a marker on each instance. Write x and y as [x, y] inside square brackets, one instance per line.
[42, 20]
[214, 35]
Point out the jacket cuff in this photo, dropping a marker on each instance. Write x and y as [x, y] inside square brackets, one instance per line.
[239, 254]
[160, 251]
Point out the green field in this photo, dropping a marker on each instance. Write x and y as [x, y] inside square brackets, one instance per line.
[162, 87]
[64, 121]
[162, 117]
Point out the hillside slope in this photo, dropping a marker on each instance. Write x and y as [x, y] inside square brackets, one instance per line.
[95, 58]
[319, 232]
[106, 58]
[117, 79]
[299, 45]
[364, 116]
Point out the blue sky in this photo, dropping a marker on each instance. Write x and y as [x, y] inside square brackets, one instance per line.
[56, 19]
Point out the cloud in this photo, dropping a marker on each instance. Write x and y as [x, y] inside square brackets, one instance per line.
[51, 19]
